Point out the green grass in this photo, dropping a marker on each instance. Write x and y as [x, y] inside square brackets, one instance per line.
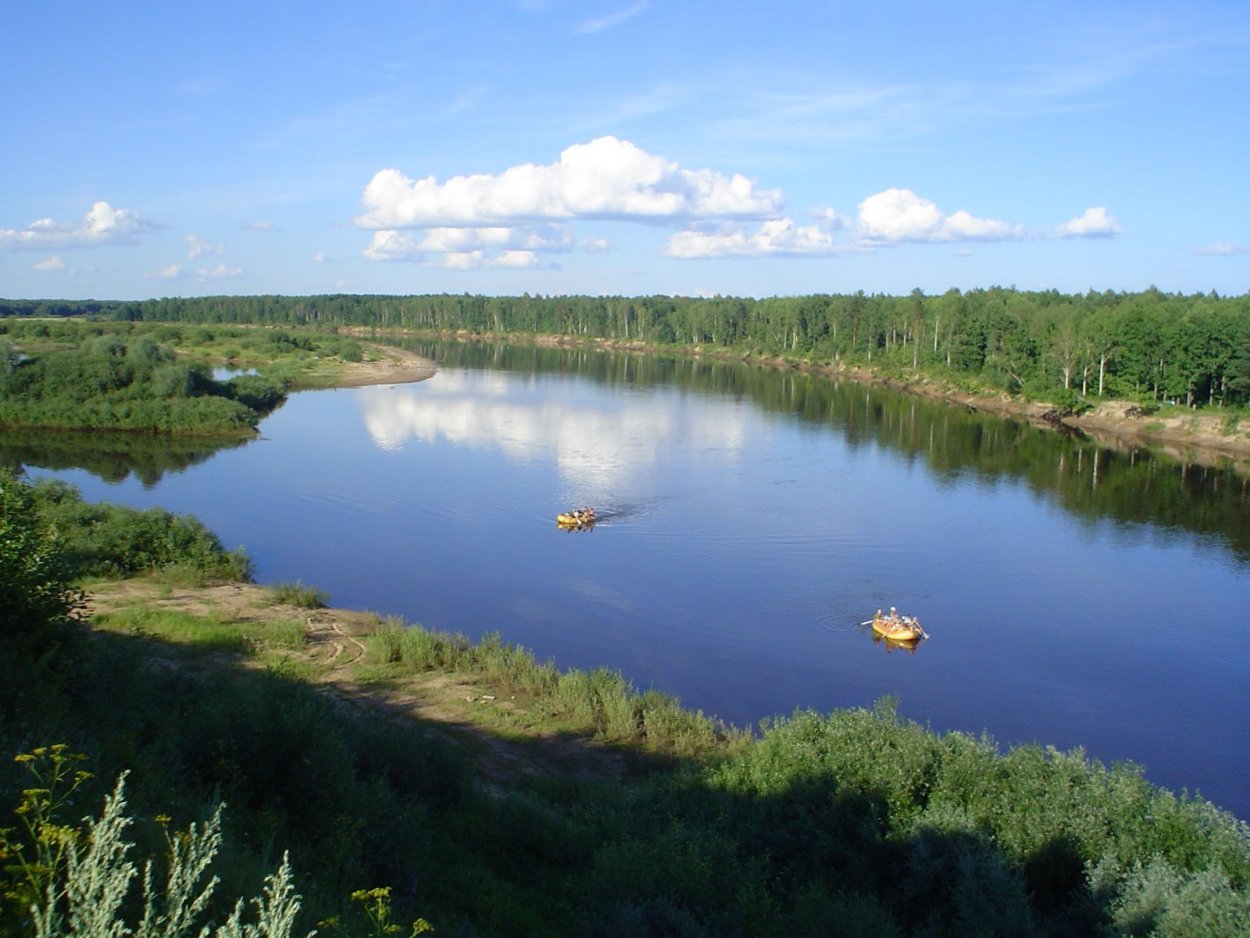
[297, 594]
[205, 634]
[600, 703]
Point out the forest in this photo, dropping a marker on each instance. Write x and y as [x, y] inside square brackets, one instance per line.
[1147, 346]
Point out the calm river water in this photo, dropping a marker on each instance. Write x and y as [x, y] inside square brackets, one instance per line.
[752, 520]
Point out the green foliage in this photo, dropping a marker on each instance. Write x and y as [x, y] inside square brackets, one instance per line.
[76, 880]
[601, 702]
[113, 540]
[259, 393]
[35, 575]
[376, 908]
[1070, 402]
[297, 594]
[1155, 898]
[977, 838]
[31, 860]
[115, 380]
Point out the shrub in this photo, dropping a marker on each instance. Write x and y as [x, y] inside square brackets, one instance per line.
[113, 540]
[35, 574]
[79, 880]
[297, 594]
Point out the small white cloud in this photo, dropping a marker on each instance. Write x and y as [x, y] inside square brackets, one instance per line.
[779, 237]
[612, 19]
[1095, 223]
[902, 215]
[50, 263]
[102, 225]
[392, 246]
[899, 215]
[606, 178]
[468, 260]
[321, 258]
[220, 272]
[166, 273]
[516, 259]
[1223, 249]
[261, 226]
[595, 245]
[469, 248]
[462, 260]
[961, 226]
[536, 238]
[466, 99]
[197, 247]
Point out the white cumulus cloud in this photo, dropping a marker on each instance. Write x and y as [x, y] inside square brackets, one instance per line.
[606, 178]
[1094, 223]
[902, 215]
[50, 263]
[101, 225]
[172, 272]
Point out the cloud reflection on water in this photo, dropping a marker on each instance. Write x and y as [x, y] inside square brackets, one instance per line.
[600, 445]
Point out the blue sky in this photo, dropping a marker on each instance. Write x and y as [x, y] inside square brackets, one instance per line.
[623, 147]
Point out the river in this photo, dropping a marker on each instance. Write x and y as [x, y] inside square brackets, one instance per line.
[751, 520]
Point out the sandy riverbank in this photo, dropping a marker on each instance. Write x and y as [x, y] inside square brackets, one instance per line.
[386, 364]
[1187, 436]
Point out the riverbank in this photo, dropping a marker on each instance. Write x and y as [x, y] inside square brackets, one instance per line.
[1186, 436]
[386, 364]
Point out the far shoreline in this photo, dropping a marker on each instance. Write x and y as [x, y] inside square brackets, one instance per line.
[1190, 437]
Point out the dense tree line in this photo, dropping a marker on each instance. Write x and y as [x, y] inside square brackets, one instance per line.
[1148, 346]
